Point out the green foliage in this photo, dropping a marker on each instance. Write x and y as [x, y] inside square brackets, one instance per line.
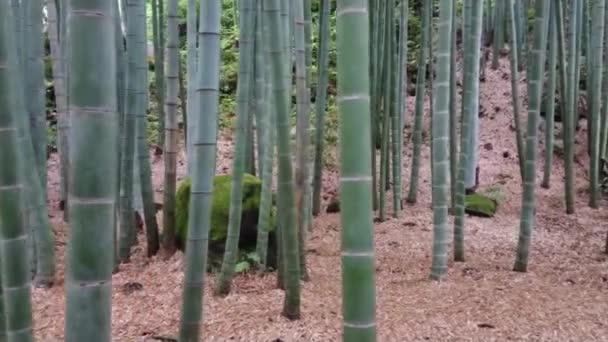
[480, 205]
[242, 266]
[247, 262]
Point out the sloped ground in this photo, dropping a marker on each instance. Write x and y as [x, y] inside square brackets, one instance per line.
[561, 298]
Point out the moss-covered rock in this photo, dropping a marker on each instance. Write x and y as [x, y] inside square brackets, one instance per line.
[480, 205]
[220, 211]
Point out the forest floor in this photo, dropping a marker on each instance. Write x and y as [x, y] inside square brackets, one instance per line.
[561, 298]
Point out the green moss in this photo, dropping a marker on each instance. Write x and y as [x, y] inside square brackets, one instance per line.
[222, 186]
[480, 205]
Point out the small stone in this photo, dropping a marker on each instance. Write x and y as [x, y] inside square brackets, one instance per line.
[488, 146]
[333, 206]
[506, 154]
[131, 287]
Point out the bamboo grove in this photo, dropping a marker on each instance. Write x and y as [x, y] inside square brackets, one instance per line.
[102, 77]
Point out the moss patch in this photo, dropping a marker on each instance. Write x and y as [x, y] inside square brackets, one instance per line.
[220, 212]
[480, 205]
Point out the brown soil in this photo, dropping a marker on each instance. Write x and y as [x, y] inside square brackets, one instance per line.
[561, 298]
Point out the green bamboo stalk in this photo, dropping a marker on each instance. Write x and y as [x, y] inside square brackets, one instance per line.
[595, 73]
[488, 26]
[171, 131]
[159, 73]
[537, 60]
[403, 79]
[470, 106]
[397, 110]
[386, 107]
[377, 47]
[286, 208]
[33, 71]
[191, 72]
[571, 104]
[235, 12]
[302, 131]
[94, 119]
[396, 125]
[604, 110]
[579, 48]
[16, 301]
[127, 218]
[203, 169]
[550, 104]
[515, 62]
[35, 104]
[321, 103]
[431, 70]
[440, 132]
[59, 87]
[161, 37]
[266, 120]
[587, 52]
[519, 30]
[41, 250]
[372, 47]
[286, 55]
[499, 36]
[143, 155]
[247, 16]
[121, 83]
[419, 107]
[309, 149]
[453, 124]
[358, 284]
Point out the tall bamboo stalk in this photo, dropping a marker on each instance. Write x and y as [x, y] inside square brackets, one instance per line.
[93, 108]
[358, 283]
[499, 35]
[127, 218]
[419, 108]
[595, 74]
[537, 61]
[265, 123]
[191, 72]
[35, 85]
[515, 62]
[159, 73]
[286, 208]
[470, 107]
[571, 104]
[141, 132]
[440, 132]
[453, 124]
[387, 95]
[396, 115]
[321, 102]
[247, 16]
[550, 104]
[59, 87]
[204, 153]
[16, 301]
[302, 130]
[171, 131]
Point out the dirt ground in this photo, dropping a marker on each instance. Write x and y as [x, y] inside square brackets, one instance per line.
[563, 297]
